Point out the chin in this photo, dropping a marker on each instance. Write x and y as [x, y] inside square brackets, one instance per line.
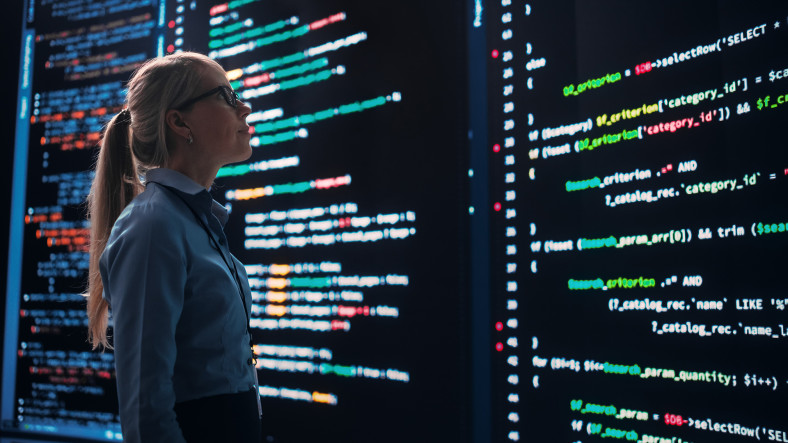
[248, 153]
[242, 151]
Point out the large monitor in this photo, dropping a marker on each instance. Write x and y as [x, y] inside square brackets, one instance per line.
[638, 229]
[350, 215]
[477, 221]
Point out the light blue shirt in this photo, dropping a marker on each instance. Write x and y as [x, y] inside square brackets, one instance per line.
[179, 324]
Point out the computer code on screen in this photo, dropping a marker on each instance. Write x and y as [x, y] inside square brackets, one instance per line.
[535, 221]
[74, 59]
[349, 216]
[637, 187]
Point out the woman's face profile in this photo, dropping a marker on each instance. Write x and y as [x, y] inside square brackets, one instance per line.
[220, 132]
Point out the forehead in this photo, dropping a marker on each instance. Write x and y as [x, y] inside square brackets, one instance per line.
[213, 76]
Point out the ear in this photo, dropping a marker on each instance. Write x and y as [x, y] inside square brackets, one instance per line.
[175, 121]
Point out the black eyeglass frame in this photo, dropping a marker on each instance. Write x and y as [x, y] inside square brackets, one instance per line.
[229, 95]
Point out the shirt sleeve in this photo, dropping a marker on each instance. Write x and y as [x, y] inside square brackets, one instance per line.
[144, 274]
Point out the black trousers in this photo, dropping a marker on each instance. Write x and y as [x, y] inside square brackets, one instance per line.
[220, 418]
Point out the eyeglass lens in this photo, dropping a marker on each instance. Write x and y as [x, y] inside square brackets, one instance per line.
[230, 97]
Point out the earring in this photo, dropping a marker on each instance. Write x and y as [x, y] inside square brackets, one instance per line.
[190, 139]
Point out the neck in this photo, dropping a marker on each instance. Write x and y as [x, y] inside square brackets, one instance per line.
[203, 175]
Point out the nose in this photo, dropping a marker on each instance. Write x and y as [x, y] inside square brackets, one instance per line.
[244, 109]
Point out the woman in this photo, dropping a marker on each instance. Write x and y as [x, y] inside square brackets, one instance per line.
[158, 257]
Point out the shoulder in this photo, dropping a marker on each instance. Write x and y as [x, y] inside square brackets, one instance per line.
[155, 204]
[155, 216]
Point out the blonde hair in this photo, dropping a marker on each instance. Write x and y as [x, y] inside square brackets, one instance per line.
[133, 141]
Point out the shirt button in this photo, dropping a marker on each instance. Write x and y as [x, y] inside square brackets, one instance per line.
[221, 241]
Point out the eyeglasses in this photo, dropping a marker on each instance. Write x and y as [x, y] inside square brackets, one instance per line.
[229, 95]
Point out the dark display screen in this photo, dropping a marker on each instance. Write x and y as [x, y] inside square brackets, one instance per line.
[348, 216]
[467, 222]
[638, 231]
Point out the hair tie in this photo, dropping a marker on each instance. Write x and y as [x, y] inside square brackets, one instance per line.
[124, 116]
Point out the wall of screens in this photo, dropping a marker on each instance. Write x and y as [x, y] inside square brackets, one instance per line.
[637, 230]
[486, 221]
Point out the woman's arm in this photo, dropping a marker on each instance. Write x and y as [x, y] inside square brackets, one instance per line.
[144, 275]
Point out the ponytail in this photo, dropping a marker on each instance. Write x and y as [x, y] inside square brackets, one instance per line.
[115, 184]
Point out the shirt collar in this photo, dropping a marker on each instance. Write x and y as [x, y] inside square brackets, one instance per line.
[196, 194]
[173, 179]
